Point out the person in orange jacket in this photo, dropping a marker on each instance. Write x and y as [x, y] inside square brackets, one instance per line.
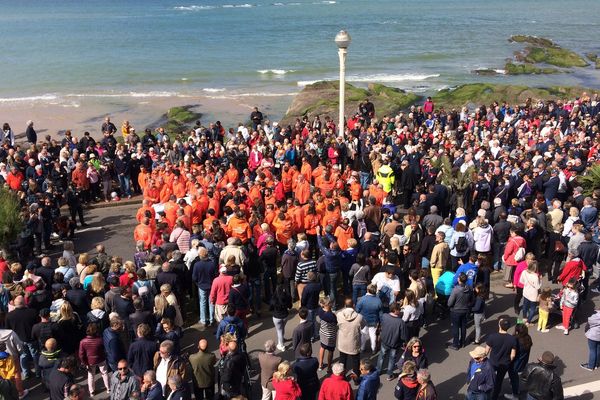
[344, 232]
[238, 227]
[331, 217]
[179, 189]
[284, 229]
[143, 232]
[170, 209]
[302, 189]
[142, 210]
[287, 179]
[151, 192]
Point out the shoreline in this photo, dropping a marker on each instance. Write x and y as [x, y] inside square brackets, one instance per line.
[87, 114]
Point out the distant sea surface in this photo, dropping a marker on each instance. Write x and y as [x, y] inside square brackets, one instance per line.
[61, 51]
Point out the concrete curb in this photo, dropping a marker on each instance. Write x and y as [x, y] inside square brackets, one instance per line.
[136, 200]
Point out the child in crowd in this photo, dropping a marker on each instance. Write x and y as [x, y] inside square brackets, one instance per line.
[568, 302]
[545, 305]
[479, 310]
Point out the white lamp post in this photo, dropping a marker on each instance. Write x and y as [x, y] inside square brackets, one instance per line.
[342, 40]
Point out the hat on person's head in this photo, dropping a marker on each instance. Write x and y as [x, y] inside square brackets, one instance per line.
[547, 358]
[223, 269]
[92, 155]
[478, 352]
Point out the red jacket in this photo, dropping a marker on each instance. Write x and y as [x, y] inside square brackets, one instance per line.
[286, 389]
[91, 351]
[219, 291]
[572, 269]
[513, 244]
[335, 388]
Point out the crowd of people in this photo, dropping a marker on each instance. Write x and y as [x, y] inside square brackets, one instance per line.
[361, 233]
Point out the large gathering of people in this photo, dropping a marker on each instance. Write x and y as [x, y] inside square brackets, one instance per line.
[356, 239]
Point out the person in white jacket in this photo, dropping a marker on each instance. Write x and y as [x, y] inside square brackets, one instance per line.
[531, 286]
[482, 236]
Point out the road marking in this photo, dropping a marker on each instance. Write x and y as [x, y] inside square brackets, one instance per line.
[91, 229]
[578, 390]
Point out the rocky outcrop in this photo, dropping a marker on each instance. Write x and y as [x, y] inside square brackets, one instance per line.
[322, 98]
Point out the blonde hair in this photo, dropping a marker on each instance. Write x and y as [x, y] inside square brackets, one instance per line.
[66, 312]
[16, 267]
[129, 267]
[98, 283]
[83, 258]
[283, 370]
[97, 303]
[160, 304]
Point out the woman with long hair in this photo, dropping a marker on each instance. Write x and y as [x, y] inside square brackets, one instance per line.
[412, 310]
[97, 286]
[162, 308]
[68, 329]
[414, 352]
[286, 387]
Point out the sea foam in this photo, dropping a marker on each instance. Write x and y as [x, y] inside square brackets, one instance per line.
[42, 98]
[213, 90]
[274, 71]
[194, 8]
[377, 78]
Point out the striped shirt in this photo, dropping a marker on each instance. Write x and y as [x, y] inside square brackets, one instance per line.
[303, 268]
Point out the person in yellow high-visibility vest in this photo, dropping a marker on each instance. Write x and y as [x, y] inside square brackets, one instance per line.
[385, 176]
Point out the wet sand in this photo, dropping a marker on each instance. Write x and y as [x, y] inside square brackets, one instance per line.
[88, 113]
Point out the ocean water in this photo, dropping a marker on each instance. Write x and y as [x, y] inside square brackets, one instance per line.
[61, 51]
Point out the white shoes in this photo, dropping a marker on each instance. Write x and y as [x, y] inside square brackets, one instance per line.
[510, 397]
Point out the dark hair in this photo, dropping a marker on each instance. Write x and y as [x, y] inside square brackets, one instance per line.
[230, 309]
[303, 312]
[504, 324]
[92, 330]
[462, 278]
[522, 335]
[305, 350]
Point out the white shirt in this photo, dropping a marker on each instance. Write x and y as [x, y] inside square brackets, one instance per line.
[161, 373]
[381, 280]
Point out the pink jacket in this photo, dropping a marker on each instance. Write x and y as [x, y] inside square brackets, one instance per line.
[513, 244]
[219, 291]
[521, 266]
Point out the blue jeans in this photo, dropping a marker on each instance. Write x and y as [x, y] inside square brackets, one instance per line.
[478, 396]
[459, 328]
[30, 353]
[358, 290]
[365, 178]
[383, 352]
[254, 285]
[498, 250]
[204, 303]
[125, 184]
[529, 309]
[594, 358]
[312, 316]
[333, 287]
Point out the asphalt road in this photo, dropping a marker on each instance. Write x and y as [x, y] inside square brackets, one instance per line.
[114, 228]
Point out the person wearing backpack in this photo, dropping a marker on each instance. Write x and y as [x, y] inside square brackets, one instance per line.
[514, 252]
[233, 325]
[460, 245]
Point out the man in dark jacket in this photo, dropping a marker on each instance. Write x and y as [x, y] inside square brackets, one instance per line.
[333, 261]
[310, 300]
[305, 368]
[393, 332]
[368, 382]
[123, 171]
[21, 320]
[289, 262]
[232, 370]
[61, 379]
[204, 270]
[588, 252]
[480, 374]
[231, 324]
[151, 389]
[141, 352]
[303, 332]
[115, 350]
[459, 303]
[541, 381]
[268, 260]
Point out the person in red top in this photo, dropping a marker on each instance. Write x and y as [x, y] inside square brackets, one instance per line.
[15, 179]
[574, 268]
[336, 387]
[286, 387]
[219, 293]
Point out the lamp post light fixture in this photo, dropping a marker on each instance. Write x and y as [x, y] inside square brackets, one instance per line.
[342, 40]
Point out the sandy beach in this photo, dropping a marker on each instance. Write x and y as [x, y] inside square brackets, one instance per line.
[54, 116]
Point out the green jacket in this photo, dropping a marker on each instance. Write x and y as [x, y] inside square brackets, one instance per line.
[385, 176]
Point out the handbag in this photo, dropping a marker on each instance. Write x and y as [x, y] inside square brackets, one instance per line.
[559, 247]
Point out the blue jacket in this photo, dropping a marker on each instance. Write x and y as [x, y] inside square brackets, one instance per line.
[203, 273]
[368, 387]
[589, 217]
[154, 393]
[141, 355]
[482, 379]
[371, 309]
[333, 258]
[468, 269]
[348, 258]
[240, 328]
[113, 347]
[310, 296]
